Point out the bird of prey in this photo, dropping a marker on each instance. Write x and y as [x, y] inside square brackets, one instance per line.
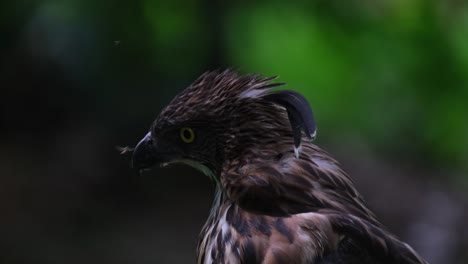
[279, 198]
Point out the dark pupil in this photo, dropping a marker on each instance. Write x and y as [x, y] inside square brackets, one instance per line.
[187, 134]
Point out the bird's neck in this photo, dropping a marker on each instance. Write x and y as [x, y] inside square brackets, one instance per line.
[218, 200]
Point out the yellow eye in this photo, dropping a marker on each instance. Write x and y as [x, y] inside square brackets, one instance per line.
[187, 135]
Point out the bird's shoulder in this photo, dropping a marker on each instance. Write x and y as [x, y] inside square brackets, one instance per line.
[288, 184]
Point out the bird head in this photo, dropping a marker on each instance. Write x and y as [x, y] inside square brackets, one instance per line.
[224, 116]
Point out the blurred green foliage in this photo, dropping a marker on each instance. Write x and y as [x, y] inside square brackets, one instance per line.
[393, 72]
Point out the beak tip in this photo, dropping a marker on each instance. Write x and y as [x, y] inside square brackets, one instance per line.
[143, 154]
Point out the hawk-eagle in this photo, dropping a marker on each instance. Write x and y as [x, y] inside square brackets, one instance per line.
[279, 198]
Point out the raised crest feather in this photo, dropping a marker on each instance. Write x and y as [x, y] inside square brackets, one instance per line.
[299, 113]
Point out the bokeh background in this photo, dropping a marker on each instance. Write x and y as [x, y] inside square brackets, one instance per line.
[388, 81]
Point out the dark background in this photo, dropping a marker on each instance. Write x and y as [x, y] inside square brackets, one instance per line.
[388, 81]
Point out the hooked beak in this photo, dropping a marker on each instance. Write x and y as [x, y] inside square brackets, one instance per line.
[144, 154]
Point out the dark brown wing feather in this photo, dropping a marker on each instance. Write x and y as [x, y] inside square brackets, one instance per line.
[365, 243]
[315, 183]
